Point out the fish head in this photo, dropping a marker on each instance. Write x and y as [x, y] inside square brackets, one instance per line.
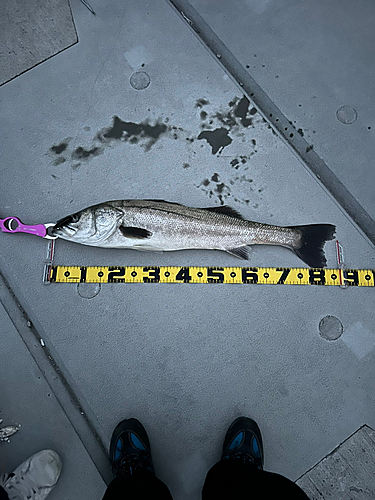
[91, 226]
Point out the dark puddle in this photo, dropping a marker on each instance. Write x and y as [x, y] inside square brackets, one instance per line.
[218, 139]
[133, 132]
[85, 154]
[242, 111]
[59, 148]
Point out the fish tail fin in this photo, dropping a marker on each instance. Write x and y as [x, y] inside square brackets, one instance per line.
[314, 236]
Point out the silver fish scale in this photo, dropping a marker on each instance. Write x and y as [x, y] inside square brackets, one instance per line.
[175, 226]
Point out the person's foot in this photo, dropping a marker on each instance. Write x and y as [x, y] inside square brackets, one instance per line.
[130, 450]
[35, 478]
[243, 442]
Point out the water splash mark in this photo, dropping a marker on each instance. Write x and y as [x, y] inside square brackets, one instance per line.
[85, 154]
[57, 149]
[133, 132]
[221, 190]
[242, 112]
[59, 161]
[218, 139]
[60, 148]
[232, 121]
[201, 102]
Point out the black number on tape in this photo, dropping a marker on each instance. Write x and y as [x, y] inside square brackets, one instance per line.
[153, 275]
[317, 277]
[351, 277]
[284, 276]
[53, 274]
[214, 275]
[183, 275]
[115, 275]
[82, 278]
[249, 275]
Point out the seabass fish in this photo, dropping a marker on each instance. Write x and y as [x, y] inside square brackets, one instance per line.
[161, 225]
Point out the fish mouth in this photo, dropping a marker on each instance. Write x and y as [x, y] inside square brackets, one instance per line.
[63, 227]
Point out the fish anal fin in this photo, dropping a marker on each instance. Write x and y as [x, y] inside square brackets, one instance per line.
[241, 252]
[137, 233]
[225, 210]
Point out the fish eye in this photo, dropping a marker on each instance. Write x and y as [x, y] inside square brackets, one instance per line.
[75, 218]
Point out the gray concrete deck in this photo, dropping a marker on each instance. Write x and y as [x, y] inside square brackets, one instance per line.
[187, 360]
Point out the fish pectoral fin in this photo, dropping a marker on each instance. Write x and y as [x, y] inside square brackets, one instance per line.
[137, 233]
[241, 252]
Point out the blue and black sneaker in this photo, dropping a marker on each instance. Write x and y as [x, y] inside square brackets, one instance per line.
[243, 442]
[130, 451]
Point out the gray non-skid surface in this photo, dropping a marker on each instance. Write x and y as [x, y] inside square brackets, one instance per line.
[27, 399]
[185, 360]
[31, 32]
[349, 471]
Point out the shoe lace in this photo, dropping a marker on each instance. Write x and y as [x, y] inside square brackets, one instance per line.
[20, 484]
[132, 464]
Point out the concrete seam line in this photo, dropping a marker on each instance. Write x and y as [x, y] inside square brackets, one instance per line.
[73, 404]
[272, 114]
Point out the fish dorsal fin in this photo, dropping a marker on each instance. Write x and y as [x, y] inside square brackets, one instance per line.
[137, 233]
[169, 202]
[225, 210]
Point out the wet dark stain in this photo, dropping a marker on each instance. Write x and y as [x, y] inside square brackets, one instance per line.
[59, 161]
[186, 165]
[220, 187]
[59, 148]
[83, 154]
[226, 119]
[128, 131]
[215, 178]
[241, 111]
[201, 102]
[243, 178]
[234, 162]
[218, 139]
[203, 115]
[300, 131]
[205, 182]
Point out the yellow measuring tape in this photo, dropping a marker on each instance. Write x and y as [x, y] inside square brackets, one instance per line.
[193, 274]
